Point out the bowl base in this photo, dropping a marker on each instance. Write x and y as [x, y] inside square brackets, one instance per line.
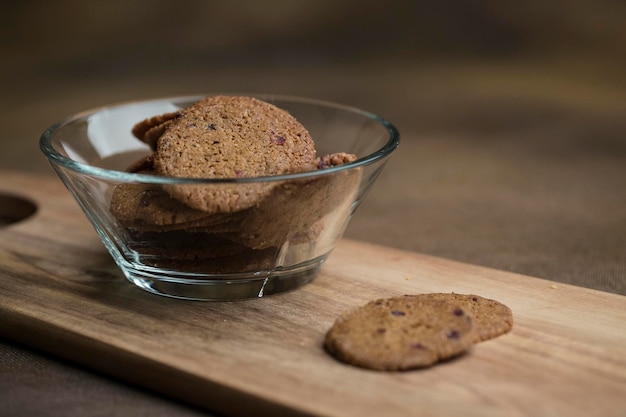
[212, 287]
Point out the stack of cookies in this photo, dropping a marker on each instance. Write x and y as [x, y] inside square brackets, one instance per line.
[227, 225]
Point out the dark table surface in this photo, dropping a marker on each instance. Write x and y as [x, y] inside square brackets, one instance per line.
[513, 123]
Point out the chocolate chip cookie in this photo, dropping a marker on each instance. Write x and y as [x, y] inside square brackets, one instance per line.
[230, 137]
[401, 333]
[491, 317]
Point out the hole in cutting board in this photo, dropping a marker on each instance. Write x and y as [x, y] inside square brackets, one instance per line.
[14, 209]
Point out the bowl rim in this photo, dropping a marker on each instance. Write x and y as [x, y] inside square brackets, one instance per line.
[45, 144]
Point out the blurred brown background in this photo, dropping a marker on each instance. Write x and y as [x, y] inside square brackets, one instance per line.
[512, 114]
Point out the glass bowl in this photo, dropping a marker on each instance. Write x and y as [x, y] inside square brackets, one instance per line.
[167, 248]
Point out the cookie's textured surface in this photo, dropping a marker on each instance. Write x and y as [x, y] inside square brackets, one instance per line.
[231, 137]
[294, 206]
[400, 333]
[147, 207]
[144, 165]
[334, 159]
[149, 130]
[152, 135]
[491, 317]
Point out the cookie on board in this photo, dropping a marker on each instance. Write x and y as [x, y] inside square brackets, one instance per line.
[400, 333]
[491, 317]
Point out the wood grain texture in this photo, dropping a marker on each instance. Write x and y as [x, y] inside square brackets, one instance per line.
[60, 292]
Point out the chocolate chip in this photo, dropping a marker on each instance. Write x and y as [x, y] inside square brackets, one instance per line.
[381, 330]
[211, 126]
[453, 334]
[458, 312]
[417, 345]
[278, 139]
[398, 313]
[322, 164]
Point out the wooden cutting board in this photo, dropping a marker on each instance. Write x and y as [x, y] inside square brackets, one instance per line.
[60, 292]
